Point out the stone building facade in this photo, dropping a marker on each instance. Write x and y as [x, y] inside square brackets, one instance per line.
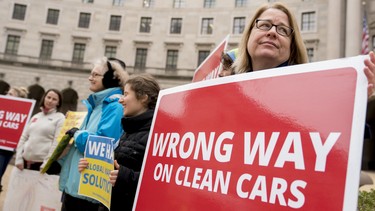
[53, 42]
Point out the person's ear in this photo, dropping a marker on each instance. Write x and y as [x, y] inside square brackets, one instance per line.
[144, 99]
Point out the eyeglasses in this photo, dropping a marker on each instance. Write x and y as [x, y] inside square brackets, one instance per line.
[266, 25]
[95, 75]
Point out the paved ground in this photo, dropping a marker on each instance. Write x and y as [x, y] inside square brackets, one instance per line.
[10, 167]
[4, 182]
[369, 187]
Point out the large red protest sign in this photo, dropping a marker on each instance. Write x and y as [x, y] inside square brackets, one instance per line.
[14, 114]
[280, 139]
[211, 66]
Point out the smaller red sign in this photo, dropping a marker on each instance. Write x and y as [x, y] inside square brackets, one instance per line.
[210, 67]
[14, 114]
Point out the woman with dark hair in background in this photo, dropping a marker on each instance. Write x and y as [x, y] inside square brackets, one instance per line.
[40, 133]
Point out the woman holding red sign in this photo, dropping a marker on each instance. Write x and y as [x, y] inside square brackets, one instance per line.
[6, 155]
[272, 39]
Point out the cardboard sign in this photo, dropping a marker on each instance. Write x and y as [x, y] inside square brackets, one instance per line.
[279, 139]
[211, 66]
[14, 114]
[72, 119]
[94, 180]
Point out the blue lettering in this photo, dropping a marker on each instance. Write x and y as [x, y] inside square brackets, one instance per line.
[85, 180]
[92, 179]
[98, 182]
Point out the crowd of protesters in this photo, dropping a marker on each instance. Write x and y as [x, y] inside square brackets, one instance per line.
[122, 108]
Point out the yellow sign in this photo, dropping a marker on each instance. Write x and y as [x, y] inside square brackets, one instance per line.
[94, 180]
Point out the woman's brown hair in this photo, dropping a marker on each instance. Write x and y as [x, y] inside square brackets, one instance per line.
[298, 54]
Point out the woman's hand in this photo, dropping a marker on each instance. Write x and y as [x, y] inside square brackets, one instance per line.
[113, 175]
[370, 73]
[82, 164]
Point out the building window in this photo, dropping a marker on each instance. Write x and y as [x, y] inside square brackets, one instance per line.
[238, 25]
[207, 25]
[140, 58]
[78, 52]
[202, 55]
[115, 23]
[88, 1]
[176, 24]
[84, 20]
[240, 3]
[110, 51]
[118, 2]
[310, 54]
[46, 49]
[145, 25]
[208, 3]
[13, 42]
[308, 21]
[53, 16]
[19, 11]
[178, 3]
[148, 3]
[172, 57]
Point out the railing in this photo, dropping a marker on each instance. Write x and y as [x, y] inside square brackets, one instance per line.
[32, 61]
[85, 66]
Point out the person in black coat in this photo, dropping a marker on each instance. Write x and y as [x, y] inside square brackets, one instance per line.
[139, 101]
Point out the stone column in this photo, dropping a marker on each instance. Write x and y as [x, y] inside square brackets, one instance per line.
[335, 30]
[353, 33]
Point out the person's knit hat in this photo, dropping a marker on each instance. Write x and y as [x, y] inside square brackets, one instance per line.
[233, 54]
[116, 74]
